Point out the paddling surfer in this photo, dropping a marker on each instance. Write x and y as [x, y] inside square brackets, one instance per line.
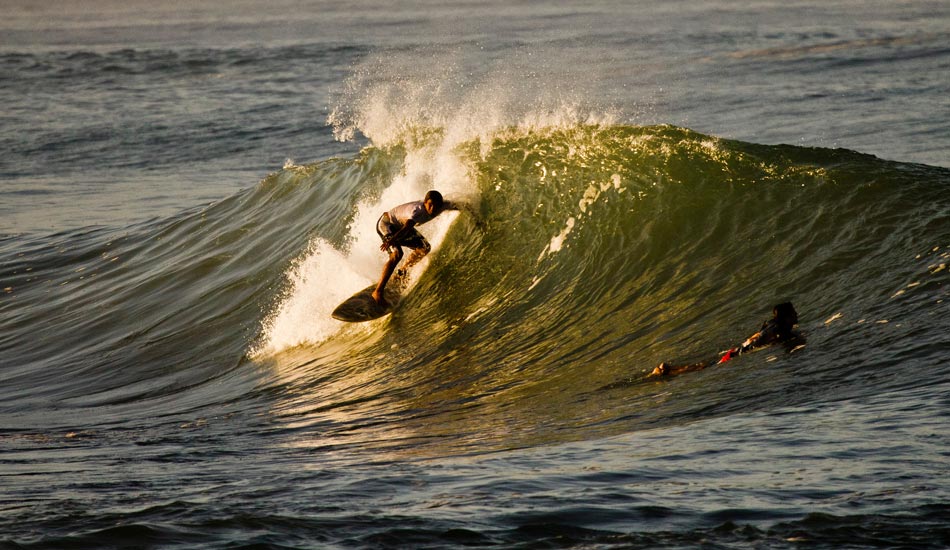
[780, 329]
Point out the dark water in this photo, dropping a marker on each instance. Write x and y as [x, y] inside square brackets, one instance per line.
[647, 184]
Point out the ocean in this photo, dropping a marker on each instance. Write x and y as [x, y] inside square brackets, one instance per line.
[187, 190]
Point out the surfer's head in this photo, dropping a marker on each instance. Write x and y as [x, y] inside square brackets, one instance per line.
[433, 202]
[785, 314]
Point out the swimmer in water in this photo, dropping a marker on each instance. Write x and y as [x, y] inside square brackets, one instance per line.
[780, 329]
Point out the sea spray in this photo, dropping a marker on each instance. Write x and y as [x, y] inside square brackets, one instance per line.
[302, 315]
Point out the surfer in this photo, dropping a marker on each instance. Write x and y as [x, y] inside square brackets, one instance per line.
[780, 329]
[397, 228]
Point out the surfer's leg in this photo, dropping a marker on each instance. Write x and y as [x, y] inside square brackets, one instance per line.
[395, 254]
[418, 252]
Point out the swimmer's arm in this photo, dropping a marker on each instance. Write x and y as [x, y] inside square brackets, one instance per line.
[753, 341]
[666, 369]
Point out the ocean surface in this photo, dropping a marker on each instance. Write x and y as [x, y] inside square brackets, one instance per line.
[187, 191]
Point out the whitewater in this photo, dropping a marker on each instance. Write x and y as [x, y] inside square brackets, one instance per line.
[186, 196]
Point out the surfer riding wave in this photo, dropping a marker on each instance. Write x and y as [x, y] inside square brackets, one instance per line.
[397, 228]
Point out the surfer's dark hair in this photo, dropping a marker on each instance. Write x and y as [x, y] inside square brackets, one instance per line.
[786, 313]
[435, 197]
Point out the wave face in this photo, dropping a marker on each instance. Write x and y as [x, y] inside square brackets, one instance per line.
[200, 348]
[597, 251]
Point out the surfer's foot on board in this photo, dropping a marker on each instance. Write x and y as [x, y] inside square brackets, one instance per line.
[380, 299]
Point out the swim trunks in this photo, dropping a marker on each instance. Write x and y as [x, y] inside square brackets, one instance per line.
[385, 227]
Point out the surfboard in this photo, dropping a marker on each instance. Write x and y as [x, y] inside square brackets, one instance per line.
[362, 307]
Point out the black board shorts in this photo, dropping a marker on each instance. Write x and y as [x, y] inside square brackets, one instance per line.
[412, 238]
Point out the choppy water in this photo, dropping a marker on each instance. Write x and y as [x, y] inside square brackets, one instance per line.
[649, 181]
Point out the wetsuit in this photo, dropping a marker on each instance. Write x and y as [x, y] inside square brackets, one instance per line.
[771, 332]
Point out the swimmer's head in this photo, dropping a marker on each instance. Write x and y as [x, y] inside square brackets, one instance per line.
[785, 313]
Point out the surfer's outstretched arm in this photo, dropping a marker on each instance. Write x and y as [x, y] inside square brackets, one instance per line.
[468, 209]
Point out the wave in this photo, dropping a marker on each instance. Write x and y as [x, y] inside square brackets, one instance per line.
[600, 250]
[607, 249]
